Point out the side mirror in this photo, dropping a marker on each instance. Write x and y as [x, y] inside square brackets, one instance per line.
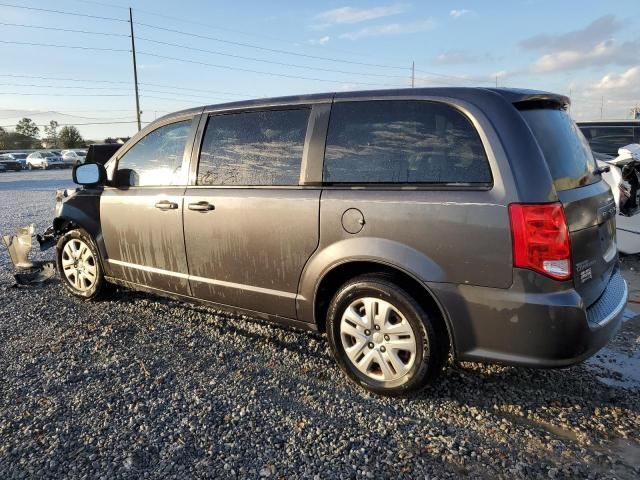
[89, 174]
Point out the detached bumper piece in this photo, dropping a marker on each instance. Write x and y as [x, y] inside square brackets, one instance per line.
[29, 273]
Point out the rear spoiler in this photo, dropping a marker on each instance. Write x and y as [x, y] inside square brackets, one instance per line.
[529, 99]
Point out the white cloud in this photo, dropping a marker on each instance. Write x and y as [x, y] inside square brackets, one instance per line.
[593, 45]
[320, 41]
[390, 29]
[349, 15]
[629, 79]
[459, 13]
[460, 57]
[601, 29]
[604, 53]
[616, 93]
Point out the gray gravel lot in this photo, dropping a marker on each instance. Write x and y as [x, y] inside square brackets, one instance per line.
[142, 387]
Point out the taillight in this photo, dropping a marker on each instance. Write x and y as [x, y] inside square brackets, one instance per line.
[541, 239]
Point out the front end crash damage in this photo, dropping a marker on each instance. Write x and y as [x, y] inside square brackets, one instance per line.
[19, 246]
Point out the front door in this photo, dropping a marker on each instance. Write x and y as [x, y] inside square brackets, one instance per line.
[250, 226]
[141, 215]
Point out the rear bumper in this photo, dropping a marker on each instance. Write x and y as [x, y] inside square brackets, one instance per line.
[537, 322]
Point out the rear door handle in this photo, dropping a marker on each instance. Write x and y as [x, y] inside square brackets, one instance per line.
[201, 207]
[166, 205]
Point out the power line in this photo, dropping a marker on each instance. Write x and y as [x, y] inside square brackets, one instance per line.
[273, 74]
[58, 29]
[286, 52]
[56, 113]
[250, 34]
[273, 50]
[62, 12]
[452, 77]
[232, 30]
[79, 124]
[62, 78]
[57, 86]
[316, 57]
[272, 62]
[194, 89]
[185, 94]
[51, 45]
[247, 45]
[112, 82]
[49, 94]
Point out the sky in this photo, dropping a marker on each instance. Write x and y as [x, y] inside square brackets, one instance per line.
[70, 60]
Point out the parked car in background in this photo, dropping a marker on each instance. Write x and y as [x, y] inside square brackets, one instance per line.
[406, 224]
[606, 137]
[21, 157]
[44, 159]
[73, 157]
[3, 168]
[10, 162]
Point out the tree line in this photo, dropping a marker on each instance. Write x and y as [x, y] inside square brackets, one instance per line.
[27, 135]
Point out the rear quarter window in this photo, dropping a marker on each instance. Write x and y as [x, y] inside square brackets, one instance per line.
[403, 142]
[564, 147]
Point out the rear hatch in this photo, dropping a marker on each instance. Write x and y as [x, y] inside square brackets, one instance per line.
[587, 199]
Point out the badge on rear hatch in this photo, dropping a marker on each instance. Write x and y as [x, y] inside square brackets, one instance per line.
[584, 269]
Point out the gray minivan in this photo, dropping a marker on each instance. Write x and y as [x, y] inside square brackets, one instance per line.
[406, 224]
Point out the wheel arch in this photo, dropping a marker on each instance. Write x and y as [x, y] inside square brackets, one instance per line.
[314, 307]
[72, 217]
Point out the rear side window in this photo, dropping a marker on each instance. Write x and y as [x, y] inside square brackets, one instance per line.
[608, 139]
[565, 149]
[253, 148]
[403, 142]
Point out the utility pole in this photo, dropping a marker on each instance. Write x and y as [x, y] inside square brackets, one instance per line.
[496, 80]
[413, 74]
[601, 108]
[135, 69]
[570, 100]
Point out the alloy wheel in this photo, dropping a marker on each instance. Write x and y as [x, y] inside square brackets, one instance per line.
[79, 265]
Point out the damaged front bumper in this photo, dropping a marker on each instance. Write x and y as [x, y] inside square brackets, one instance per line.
[30, 272]
[20, 245]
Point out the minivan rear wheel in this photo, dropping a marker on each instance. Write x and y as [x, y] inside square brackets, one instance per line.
[382, 338]
[79, 265]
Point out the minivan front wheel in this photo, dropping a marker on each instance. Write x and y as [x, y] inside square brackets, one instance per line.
[79, 265]
[382, 338]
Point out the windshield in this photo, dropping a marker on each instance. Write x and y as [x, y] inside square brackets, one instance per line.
[567, 152]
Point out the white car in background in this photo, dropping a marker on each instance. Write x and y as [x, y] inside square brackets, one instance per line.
[624, 179]
[44, 160]
[73, 157]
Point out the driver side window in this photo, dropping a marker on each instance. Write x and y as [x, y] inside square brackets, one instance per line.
[156, 160]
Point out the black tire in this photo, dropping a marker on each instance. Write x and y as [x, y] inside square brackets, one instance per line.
[98, 289]
[431, 344]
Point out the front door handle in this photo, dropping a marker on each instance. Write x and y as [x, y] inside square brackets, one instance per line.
[166, 205]
[201, 207]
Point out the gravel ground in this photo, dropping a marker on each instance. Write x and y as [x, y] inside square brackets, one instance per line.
[142, 387]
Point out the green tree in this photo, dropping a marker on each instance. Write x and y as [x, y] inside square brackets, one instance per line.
[17, 141]
[70, 137]
[51, 132]
[28, 128]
